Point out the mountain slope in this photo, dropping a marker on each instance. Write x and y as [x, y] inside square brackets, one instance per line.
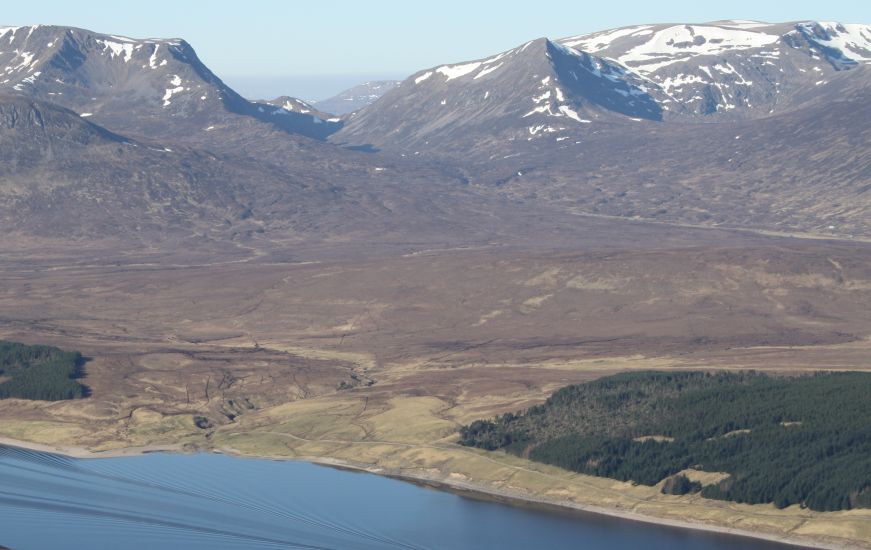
[63, 177]
[536, 89]
[733, 69]
[574, 87]
[540, 130]
[136, 86]
[536, 124]
[806, 170]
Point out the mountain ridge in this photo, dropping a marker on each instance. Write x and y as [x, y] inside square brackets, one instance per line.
[136, 86]
[731, 69]
[541, 125]
[529, 92]
[741, 70]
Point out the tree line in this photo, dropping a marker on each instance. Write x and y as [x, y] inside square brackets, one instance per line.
[783, 440]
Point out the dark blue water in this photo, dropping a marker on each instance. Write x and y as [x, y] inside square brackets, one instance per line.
[205, 501]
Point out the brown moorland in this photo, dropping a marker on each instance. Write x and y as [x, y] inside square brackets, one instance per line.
[373, 363]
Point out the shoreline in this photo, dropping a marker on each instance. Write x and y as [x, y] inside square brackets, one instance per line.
[87, 454]
[461, 488]
[520, 499]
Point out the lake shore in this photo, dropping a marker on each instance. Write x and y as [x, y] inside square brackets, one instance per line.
[518, 498]
[460, 487]
[82, 452]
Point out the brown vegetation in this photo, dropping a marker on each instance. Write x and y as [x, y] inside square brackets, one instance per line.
[376, 362]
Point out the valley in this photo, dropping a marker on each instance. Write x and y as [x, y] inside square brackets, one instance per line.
[376, 363]
[270, 279]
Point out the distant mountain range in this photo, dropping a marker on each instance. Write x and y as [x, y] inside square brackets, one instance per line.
[731, 123]
[354, 99]
[296, 105]
[551, 89]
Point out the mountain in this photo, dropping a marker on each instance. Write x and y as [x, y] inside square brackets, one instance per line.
[534, 90]
[568, 88]
[733, 69]
[299, 106]
[157, 88]
[64, 177]
[95, 144]
[807, 170]
[354, 99]
[612, 124]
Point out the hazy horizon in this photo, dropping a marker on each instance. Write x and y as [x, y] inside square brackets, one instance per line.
[311, 87]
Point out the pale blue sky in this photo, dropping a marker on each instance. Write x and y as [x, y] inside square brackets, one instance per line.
[263, 47]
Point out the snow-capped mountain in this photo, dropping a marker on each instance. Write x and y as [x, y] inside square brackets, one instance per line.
[536, 89]
[604, 124]
[563, 89]
[134, 86]
[291, 104]
[732, 69]
[300, 107]
[354, 99]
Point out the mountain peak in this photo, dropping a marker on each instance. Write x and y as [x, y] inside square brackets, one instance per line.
[59, 61]
[134, 86]
[539, 88]
[719, 71]
[474, 70]
[649, 48]
[732, 69]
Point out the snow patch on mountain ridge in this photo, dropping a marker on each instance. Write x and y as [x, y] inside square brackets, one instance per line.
[677, 43]
[599, 41]
[851, 40]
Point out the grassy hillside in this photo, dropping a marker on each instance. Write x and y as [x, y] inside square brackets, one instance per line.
[39, 372]
[804, 440]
